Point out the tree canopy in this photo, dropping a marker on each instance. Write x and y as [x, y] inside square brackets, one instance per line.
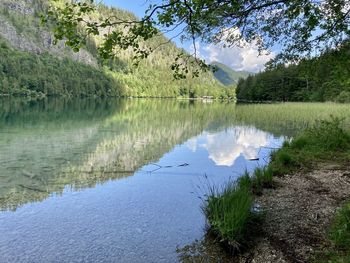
[300, 27]
[324, 78]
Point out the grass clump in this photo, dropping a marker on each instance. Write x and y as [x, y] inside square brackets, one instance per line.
[326, 140]
[339, 236]
[229, 212]
[230, 209]
[262, 178]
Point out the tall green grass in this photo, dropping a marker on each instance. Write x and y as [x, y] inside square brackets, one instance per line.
[289, 119]
[230, 209]
[340, 231]
[229, 212]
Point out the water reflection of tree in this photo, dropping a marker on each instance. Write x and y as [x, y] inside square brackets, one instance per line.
[51, 145]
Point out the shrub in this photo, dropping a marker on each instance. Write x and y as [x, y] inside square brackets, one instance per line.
[328, 135]
[299, 143]
[284, 158]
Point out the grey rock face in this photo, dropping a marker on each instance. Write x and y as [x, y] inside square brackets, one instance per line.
[20, 7]
[8, 32]
[35, 39]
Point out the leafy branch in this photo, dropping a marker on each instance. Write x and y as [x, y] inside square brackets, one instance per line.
[300, 28]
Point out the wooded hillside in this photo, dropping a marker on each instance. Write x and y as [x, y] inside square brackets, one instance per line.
[324, 78]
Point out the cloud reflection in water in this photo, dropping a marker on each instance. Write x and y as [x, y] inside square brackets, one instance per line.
[226, 146]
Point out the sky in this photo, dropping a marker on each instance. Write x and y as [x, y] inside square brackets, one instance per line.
[239, 59]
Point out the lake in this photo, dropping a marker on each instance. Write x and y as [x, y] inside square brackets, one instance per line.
[123, 180]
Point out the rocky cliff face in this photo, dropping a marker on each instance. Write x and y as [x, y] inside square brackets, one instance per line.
[24, 7]
[20, 27]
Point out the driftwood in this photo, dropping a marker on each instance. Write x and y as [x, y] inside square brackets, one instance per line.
[167, 166]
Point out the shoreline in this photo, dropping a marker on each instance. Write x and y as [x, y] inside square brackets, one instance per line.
[298, 196]
[299, 213]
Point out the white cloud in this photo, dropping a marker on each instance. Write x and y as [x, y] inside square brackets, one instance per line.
[239, 58]
[243, 57]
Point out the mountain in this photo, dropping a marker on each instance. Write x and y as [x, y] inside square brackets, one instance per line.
[30, 64]
[228, 76]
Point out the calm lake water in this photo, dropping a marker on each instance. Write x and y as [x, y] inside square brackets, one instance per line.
[122, 180]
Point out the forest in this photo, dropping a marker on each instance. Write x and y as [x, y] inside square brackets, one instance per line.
[324, 78]
[28, 74]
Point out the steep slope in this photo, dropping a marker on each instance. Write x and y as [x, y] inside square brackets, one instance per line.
[20, 26]
[228, 76]
[24, 38]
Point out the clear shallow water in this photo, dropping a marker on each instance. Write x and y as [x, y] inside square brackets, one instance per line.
[117, 180]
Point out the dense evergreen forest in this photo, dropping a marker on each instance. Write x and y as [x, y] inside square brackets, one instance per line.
[31, 65]
[324, 78]
[24, 73]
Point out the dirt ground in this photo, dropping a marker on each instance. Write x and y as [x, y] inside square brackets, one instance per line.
[298, 213]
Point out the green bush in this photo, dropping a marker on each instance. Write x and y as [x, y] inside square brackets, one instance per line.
[299, 143]
[328, 135]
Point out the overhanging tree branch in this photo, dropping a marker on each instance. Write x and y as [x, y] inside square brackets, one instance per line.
[300, 27]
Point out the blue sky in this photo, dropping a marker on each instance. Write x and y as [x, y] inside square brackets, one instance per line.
[237, 58]
[138, 7]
